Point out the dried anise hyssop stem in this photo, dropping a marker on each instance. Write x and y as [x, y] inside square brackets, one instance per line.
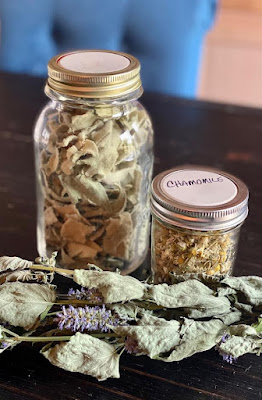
[184, 251]
[95, 171]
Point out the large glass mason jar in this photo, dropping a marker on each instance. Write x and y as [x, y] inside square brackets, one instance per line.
[93, 153]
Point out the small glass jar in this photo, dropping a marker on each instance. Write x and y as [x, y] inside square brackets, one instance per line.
[197, 214]
[93, 153]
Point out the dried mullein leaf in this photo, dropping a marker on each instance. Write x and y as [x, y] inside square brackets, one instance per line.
[22, 303]
[52, 185]
[118, 234]
[87, 355]
[13, 263]
[67, 140]
[52, 163]
[126, 151]
[67, 211]
[196, 336]
[109, 112]
[80, 250]
[241, 339]
[250, 286]
[127, 310]
[87, 149]
[49, 216]
[133, 191]
[75, 231]
[118, 205]
[52, 236]
[94, 245]
[237, 346]
[65, 117]
[113, 286]
[88, 131]
[102, 136]
[61, 130]
[83, 121]
[97, 234]
[129, 178]
[65, 258]
[107, 140]
[90, 211]
[51, 124]
[84, 189]
[51, 146]
[178, 295]
[53, 196]
[153, 335]
[67, 165]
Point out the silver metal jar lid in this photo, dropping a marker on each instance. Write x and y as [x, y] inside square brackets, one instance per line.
[200, 198]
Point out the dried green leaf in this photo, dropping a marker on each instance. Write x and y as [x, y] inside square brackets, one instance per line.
[113, 286]
[250, 286]
[75, 231]
[128, 310]
[180, 294]
[22, 303]
[87, 355]
[84, 189]
[211, 306]
[195, 337]
[231, 317]
[117, 238]
[83, 121]
[153, 335]
[13, 263]
[243, 339]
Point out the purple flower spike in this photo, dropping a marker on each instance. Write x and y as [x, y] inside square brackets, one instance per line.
[92, 295]
[96, 318]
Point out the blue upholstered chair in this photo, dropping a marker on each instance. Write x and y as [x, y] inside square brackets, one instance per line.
[166, 35]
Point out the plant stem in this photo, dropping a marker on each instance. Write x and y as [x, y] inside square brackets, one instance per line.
[76, 301]
[52, 269]
[56, 338]
[9, 332]
[40, 339]
[147, 305]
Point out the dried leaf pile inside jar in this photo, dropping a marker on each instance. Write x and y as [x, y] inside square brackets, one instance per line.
[94, 160]
[197, 215]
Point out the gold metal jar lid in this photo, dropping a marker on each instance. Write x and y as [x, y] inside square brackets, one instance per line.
[93, 74]
[199, 198]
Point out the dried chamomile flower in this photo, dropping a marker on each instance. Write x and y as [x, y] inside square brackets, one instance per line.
[183, 251]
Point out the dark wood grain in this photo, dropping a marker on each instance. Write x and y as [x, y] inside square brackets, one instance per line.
[187, 131]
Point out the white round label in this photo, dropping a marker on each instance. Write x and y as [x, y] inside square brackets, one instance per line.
[93, 62]
[198, 188]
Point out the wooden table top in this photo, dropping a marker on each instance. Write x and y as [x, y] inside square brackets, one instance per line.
[222, 136]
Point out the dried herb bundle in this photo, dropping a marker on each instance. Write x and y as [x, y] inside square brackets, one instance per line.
[87, 329]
